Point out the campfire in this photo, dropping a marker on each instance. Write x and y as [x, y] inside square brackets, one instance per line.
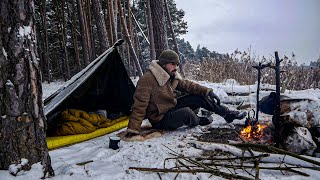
[253, 132]
[260, 133]
[298, 129]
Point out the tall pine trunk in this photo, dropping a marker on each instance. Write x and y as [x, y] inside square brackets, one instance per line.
[84, 32]
[113, 17]
[66, 68]
[45, 50]
[108, 23]
[75, 37]
[150, 30]
[101, 26]
[90, 30]
[23, 123]
[159, 28]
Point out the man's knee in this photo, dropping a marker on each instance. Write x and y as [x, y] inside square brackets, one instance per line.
[190, 119]
[180, 117]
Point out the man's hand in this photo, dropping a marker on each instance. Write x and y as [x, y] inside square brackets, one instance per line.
[130, 134]
[214, 97]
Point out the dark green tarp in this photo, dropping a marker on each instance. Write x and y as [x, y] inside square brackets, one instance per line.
[104, 84]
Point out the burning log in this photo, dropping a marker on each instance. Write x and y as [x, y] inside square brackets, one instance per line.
[253, 132]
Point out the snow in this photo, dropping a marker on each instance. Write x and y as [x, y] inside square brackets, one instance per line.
[34, 173]
[14, 168]
[50, 88]
[312, 94]
[4, 52]
[93, 159]
[301, 140]
[25, 31]
[305, 112]
[9, 83]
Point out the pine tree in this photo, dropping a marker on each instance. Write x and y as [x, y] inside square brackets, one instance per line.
[186, 50]
[23, 123]
[159, 28]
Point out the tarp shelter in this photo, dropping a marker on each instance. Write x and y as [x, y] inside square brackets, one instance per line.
[103, 84]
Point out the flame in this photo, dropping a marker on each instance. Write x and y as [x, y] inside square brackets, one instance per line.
[255, 131]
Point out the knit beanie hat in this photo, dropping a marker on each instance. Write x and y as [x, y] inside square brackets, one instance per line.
[168, 56]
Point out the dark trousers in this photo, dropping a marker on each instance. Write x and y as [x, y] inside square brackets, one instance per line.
[183, 112]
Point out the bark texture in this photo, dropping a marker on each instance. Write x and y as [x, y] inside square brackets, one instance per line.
[22, 121]
[75, 37]
[159, 28]
[85, 38]
[101, 26]
[150, 30]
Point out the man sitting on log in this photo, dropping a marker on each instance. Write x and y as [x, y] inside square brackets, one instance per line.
[155, 98]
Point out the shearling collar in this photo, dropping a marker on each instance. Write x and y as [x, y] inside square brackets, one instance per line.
[160, 74]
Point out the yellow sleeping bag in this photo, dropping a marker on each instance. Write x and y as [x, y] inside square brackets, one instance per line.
[60, 141]
[75, 121]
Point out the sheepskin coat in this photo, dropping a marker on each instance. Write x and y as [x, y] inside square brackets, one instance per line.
[155, 95]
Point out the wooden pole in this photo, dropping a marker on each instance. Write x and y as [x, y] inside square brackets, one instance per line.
[276, 116]
[259, 68]
[258, 92]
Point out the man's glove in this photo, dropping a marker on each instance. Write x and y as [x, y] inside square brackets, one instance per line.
[214, 97]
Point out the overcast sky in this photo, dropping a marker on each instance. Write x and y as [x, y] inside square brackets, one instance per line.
[266, 25]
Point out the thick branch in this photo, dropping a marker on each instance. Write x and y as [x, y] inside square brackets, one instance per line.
[277, 150]
[213, 171]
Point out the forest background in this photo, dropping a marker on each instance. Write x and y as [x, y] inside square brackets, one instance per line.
[72, 33]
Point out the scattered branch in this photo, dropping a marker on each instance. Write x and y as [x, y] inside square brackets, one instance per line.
[277, 150]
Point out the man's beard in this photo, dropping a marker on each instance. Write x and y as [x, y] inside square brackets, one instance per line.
[173, 73]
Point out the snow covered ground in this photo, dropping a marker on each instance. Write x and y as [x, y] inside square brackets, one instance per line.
[94, 160]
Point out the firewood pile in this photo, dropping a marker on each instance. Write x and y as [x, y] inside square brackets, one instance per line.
[233, 165]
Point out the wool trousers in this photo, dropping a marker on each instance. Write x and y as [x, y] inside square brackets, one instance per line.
[183, 113]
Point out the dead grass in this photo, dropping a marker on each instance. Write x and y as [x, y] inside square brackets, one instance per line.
[238, 66]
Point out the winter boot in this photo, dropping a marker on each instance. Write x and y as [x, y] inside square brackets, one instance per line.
[204, 121]
[232, 115]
